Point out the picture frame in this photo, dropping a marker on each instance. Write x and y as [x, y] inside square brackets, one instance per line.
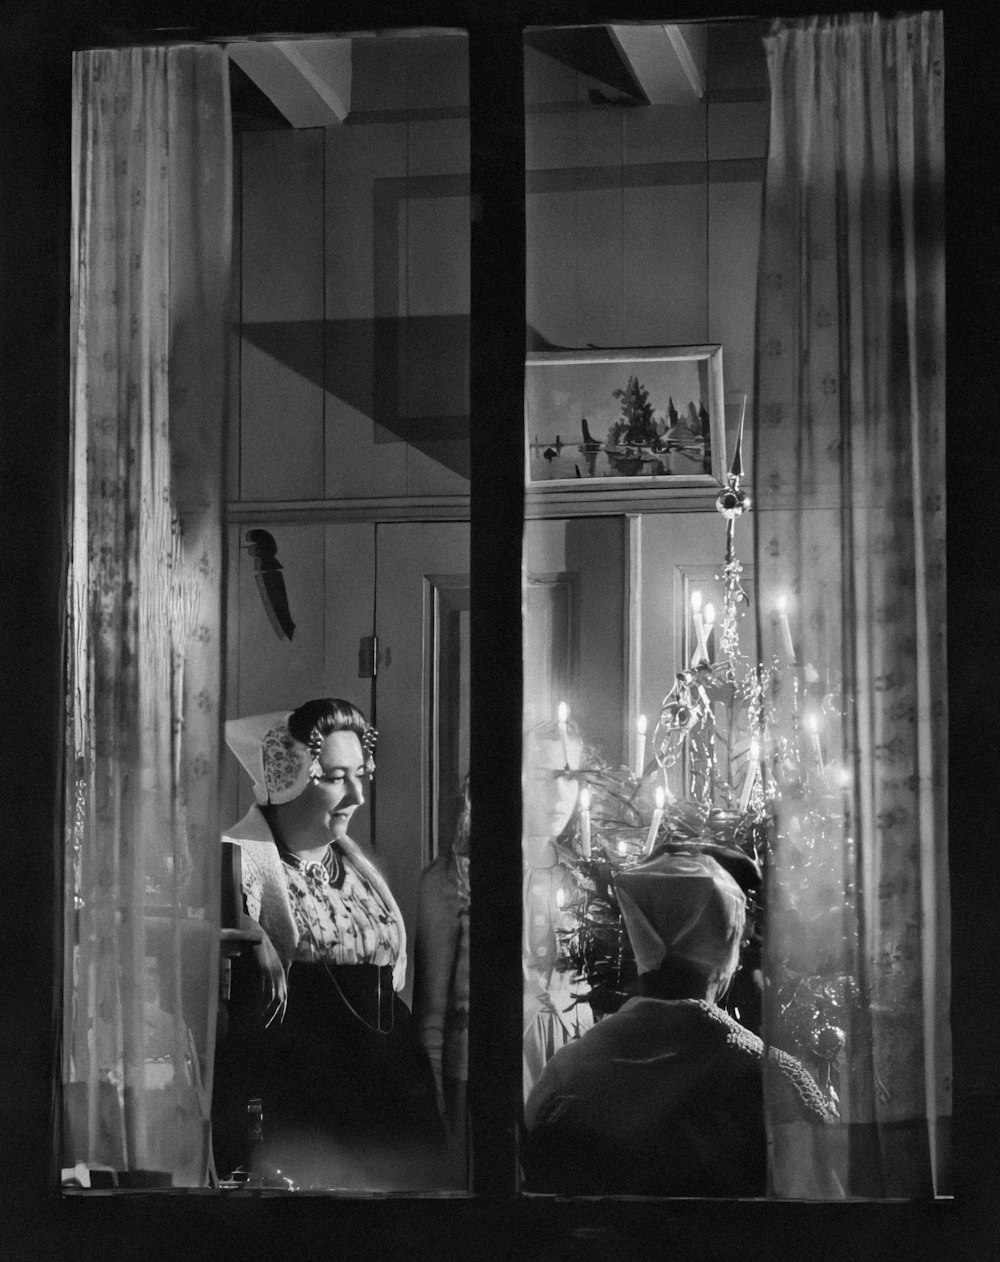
[635, 417]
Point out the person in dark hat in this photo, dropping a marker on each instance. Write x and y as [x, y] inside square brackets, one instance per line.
[666, 1096]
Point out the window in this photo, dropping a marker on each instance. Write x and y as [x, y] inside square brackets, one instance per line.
[491, 800]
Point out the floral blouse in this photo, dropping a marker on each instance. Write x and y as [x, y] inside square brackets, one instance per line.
[340, 919]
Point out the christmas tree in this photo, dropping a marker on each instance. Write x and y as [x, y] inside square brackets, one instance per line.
[738, 726]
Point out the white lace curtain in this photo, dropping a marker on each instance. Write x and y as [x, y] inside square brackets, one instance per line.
[152, 214]
[850, 532]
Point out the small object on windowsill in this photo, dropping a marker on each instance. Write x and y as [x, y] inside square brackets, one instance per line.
[257, 1173]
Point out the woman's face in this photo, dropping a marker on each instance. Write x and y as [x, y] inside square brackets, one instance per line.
[549, 794]
[340, 790]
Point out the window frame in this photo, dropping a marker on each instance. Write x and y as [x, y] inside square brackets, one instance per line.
[35, 390]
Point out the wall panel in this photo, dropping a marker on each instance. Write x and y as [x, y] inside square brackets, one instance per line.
[664, 266]
[281, 396]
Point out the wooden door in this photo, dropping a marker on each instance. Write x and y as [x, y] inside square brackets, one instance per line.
[421, 697]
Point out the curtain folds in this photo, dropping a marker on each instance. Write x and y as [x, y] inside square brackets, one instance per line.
[849, 473]
[152, 213]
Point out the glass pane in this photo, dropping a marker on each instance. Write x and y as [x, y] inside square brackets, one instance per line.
[354, 407]
[312, 1020]
[677, 1041]
[645, 164]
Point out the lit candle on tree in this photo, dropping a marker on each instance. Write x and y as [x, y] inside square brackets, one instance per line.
[700, 652]
[654, 823]
[585, 822]
[786, 630]
[640, 746]
[709, 628]
[563, 719]
[751, 776]
[812, 723]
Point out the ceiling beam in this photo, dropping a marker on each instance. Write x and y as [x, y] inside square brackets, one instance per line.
[592, 51]
[308, 80]
[668, 61]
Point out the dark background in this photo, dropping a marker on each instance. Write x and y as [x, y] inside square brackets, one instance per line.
[36, 42]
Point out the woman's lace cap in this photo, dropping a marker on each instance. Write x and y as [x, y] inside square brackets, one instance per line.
[276, 762]
[279, 765]
[686, 907]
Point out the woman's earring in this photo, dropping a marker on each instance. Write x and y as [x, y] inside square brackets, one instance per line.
[315, 770]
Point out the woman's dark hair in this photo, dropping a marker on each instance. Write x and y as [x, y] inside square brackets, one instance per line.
[325, 715]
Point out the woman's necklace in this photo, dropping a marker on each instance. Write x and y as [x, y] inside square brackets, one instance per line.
[327, 870]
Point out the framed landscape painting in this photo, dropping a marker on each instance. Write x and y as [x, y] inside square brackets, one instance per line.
[642, 416]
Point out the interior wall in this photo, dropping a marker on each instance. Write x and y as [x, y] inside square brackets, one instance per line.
[354, 349]
[643, 230]
[355, 289]
[353, 251]
[643, 223]
[592, 552]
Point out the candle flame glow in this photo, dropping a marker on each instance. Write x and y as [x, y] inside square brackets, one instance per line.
[641, 725]
[622, 847]
[560, 898]
[584, 799]
[660, 797]
[696, 602]
[563, 712]
[754, 750]
[782, 604]
[812, 723]
[709, 615]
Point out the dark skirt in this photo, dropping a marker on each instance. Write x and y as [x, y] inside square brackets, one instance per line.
[347, 1091]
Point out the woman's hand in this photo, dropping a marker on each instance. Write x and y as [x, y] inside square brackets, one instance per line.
[273, 982]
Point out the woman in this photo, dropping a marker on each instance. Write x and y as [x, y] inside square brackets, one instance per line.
[551, 1015]
[348, 1096]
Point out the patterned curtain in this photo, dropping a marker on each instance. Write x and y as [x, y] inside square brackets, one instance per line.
[850, 536]
[152, 219]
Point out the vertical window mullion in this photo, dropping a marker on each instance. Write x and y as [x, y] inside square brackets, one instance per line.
[496, 110]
